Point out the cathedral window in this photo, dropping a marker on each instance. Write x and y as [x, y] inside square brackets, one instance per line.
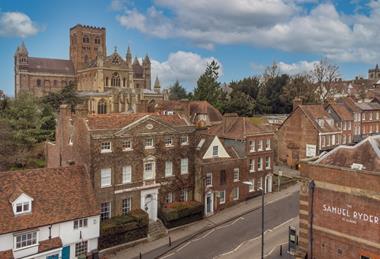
[115, 80]
[102, 107]
[124, 82]
[39, 83]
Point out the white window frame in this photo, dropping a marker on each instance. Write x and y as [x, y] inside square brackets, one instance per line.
[168, 168]
[82, 244]
[222, 200]
[268, 144]
[208, 177]
[251, 187]
[215, 151]
[184, 166]
[106, 147]
[126, 209]
[237, 193]
[127, 174]
[184, 195]
[169, 197]
[130, 145]
[105, 177]
[170, 142]
[267, 162]
[236, 175]
[23, 210]
[252, 165]
[149, 174]
[35, 239]
[260, 163]
[80, 223]
[149, 145]
[252, 146]
[183, 143]
[261, 147]
[109, 210]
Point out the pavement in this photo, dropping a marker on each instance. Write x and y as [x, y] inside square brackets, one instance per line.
[229, 224]
[286, 171]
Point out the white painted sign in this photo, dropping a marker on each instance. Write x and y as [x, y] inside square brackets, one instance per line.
[311, 150]
[350, 215]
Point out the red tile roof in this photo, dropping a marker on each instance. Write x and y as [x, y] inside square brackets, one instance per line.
[59, 194]
[8, 254]
[342, 112]
[318, 112]
[118, 121]
[51, 66]
[49, 244]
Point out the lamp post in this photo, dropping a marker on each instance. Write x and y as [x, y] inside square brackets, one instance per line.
[262, 217]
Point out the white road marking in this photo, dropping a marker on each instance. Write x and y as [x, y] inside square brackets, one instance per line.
[274, 248]
[230, 224]
[168, 255]
[182, 247]
[253, 239]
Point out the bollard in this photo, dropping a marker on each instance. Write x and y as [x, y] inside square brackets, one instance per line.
[140, 255]
[281, 250]
[170, 241]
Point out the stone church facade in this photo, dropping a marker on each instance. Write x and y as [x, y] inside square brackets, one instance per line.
[107, 83]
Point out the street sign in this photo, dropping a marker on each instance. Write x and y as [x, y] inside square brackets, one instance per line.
[293, 240]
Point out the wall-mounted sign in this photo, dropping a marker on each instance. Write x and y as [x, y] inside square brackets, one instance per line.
[350, 215]
[311, 150]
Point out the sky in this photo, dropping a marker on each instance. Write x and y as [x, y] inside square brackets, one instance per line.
[182, 36]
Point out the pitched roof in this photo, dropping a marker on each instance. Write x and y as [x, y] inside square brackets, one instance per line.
[350, 104]
[234, 127]
[204, 107]
[315, 113]
[59, 194]
[342, 111]
[51, 66]
[368, 106]
[49, 244]
[117, 121]
[366, 152]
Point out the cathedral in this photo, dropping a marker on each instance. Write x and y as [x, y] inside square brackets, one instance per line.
[107, 83]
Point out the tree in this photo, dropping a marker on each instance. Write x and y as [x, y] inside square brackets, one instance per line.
[240, 103]
[66, 96]
[208, 87]
[301, 86]
[177, 92]
[325, 75]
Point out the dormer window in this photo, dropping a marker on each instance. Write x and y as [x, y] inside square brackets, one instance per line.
[23, 204]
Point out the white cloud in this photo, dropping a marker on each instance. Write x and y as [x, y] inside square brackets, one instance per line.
[296, 68]
[281, 24]
[17, 24]
[186, 67]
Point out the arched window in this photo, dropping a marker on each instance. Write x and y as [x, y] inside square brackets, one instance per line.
[46, 83]
[124, 82]
[102, 107]
[39, 83]
[97, 40]
[55, 83]
[106, 82]
[115, 80]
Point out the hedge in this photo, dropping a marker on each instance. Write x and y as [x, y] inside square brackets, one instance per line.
[123, 229]
[180, 213]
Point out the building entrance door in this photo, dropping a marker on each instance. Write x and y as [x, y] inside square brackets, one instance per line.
[209, 204]
[149, 206]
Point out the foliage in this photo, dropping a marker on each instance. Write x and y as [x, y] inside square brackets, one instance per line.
[324, 76]
[66, 96]
[123, 229]
[208, 87]
[177, 92]
[179, 213]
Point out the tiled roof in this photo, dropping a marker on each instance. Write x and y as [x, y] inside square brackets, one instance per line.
[204, 107]
[49, 244]
[235, 127]
[59, 194]
[118, 121]
[367, 153]
[342, 111]
[350, 104]
[51, 66]
[318, 112]
[368, 106]
[8, 254]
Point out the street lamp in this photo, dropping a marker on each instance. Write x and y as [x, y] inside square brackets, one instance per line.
[262, 216]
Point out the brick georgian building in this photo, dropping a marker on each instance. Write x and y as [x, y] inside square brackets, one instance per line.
[135, 160]
[229, 154]
[107, 83]
[339, 203]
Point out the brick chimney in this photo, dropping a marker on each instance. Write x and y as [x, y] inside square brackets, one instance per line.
[297, 101]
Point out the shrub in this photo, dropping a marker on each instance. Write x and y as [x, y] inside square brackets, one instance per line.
[123, 229]
[179, 213]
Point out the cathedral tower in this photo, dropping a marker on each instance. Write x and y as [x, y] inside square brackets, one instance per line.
[21, 64]
[146, 71]
[85, 44]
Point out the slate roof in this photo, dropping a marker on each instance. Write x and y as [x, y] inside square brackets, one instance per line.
[59, 194]
[51, 66]
[366, 152]
[368, 106]
[119, 121]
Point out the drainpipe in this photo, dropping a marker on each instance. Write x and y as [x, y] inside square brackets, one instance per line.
[311, 216]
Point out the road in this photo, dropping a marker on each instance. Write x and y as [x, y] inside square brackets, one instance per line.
[240, 238]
